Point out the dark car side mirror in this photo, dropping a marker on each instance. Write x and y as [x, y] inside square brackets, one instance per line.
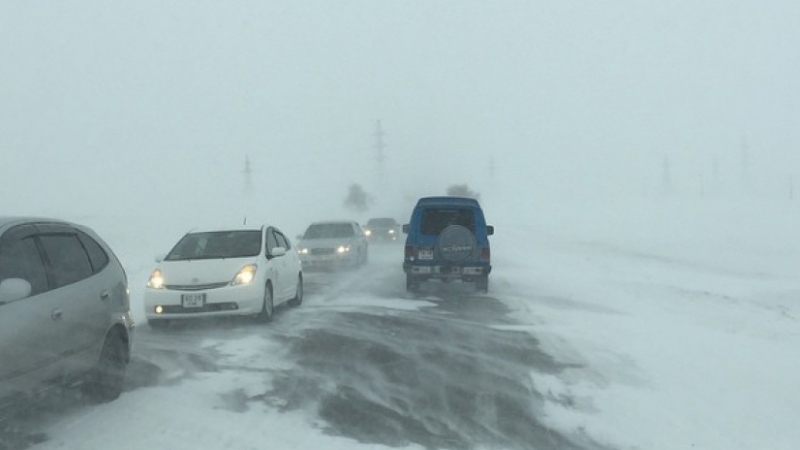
[405, 228]
[489, 230]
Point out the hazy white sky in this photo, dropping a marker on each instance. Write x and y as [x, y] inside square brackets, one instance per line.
[156, 103]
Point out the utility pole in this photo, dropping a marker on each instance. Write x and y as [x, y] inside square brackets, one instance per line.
[248, 176]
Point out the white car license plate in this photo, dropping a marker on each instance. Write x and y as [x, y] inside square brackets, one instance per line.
[193, 300]
[426, 254]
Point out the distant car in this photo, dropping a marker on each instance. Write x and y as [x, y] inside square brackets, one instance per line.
[64, 309]
[381, 229]
[224, 272]
[447, 240]
[327, 245]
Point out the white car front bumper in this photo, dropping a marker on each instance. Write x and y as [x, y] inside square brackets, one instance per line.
[186, 304]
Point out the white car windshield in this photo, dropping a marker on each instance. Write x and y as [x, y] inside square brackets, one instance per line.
[216, 245]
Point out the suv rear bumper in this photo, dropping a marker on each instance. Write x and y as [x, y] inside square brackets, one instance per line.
[447, 271]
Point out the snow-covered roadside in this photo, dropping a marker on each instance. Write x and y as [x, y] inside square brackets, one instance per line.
[683, 317]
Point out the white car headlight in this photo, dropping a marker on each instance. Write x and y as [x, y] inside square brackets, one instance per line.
[391, 231]
[343, 249]
[302, 251]
[368, 232]
[156, 280]
[245, 275]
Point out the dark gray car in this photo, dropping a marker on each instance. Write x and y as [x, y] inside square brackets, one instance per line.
[64, 309]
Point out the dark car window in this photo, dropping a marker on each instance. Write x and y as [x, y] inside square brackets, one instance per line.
[272, 242]
[69, 262]
[382, 223]
[434, 220]
[217, 245]
[21, 259]
[283, 241]
[329, 231]
[97, 256]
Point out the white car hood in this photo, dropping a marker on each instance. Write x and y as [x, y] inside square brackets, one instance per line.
[202, 271]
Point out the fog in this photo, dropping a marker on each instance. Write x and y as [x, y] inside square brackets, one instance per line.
[148, 109]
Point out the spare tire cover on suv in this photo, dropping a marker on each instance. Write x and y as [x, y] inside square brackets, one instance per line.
[456, 243]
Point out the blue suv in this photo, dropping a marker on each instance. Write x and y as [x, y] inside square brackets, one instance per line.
[448, 239]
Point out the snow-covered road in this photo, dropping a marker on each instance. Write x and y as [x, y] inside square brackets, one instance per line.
[674, 334]
[359, 361]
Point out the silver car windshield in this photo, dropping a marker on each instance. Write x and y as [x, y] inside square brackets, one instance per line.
[217, 245]
[329, 231]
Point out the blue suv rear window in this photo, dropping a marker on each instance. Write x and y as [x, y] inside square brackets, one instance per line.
[434, 220]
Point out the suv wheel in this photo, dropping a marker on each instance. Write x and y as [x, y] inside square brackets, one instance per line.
[482, 284]
[106, 379]
[412, 284]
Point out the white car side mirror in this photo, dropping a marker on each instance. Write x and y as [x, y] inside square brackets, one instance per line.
[160, 257]
[278, 251]
[12, 289]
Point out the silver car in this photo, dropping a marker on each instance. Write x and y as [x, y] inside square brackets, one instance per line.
[64, 309]
[333, 244]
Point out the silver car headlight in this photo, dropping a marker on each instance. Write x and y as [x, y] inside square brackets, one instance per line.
[343, 249]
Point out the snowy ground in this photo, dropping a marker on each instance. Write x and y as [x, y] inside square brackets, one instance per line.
[675, 327]
[683, 321]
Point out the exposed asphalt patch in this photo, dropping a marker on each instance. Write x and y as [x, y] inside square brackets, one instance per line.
[418, 378]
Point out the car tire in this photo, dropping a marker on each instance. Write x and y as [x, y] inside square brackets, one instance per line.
[298, 296]
[106, 380]
[482, 284]
[158, 324]
[412, 284]
[267, 306]
[456, 243]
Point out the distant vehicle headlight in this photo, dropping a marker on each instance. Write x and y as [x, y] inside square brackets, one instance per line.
[156, 280]
[246, 275]
[368, 232]
[391, 231]
[302, 251]
[343, 249]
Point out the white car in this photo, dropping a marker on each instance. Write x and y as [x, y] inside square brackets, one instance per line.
[333, 244]
[232, 272]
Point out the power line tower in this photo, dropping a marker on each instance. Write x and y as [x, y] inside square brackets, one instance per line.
[248, 176]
